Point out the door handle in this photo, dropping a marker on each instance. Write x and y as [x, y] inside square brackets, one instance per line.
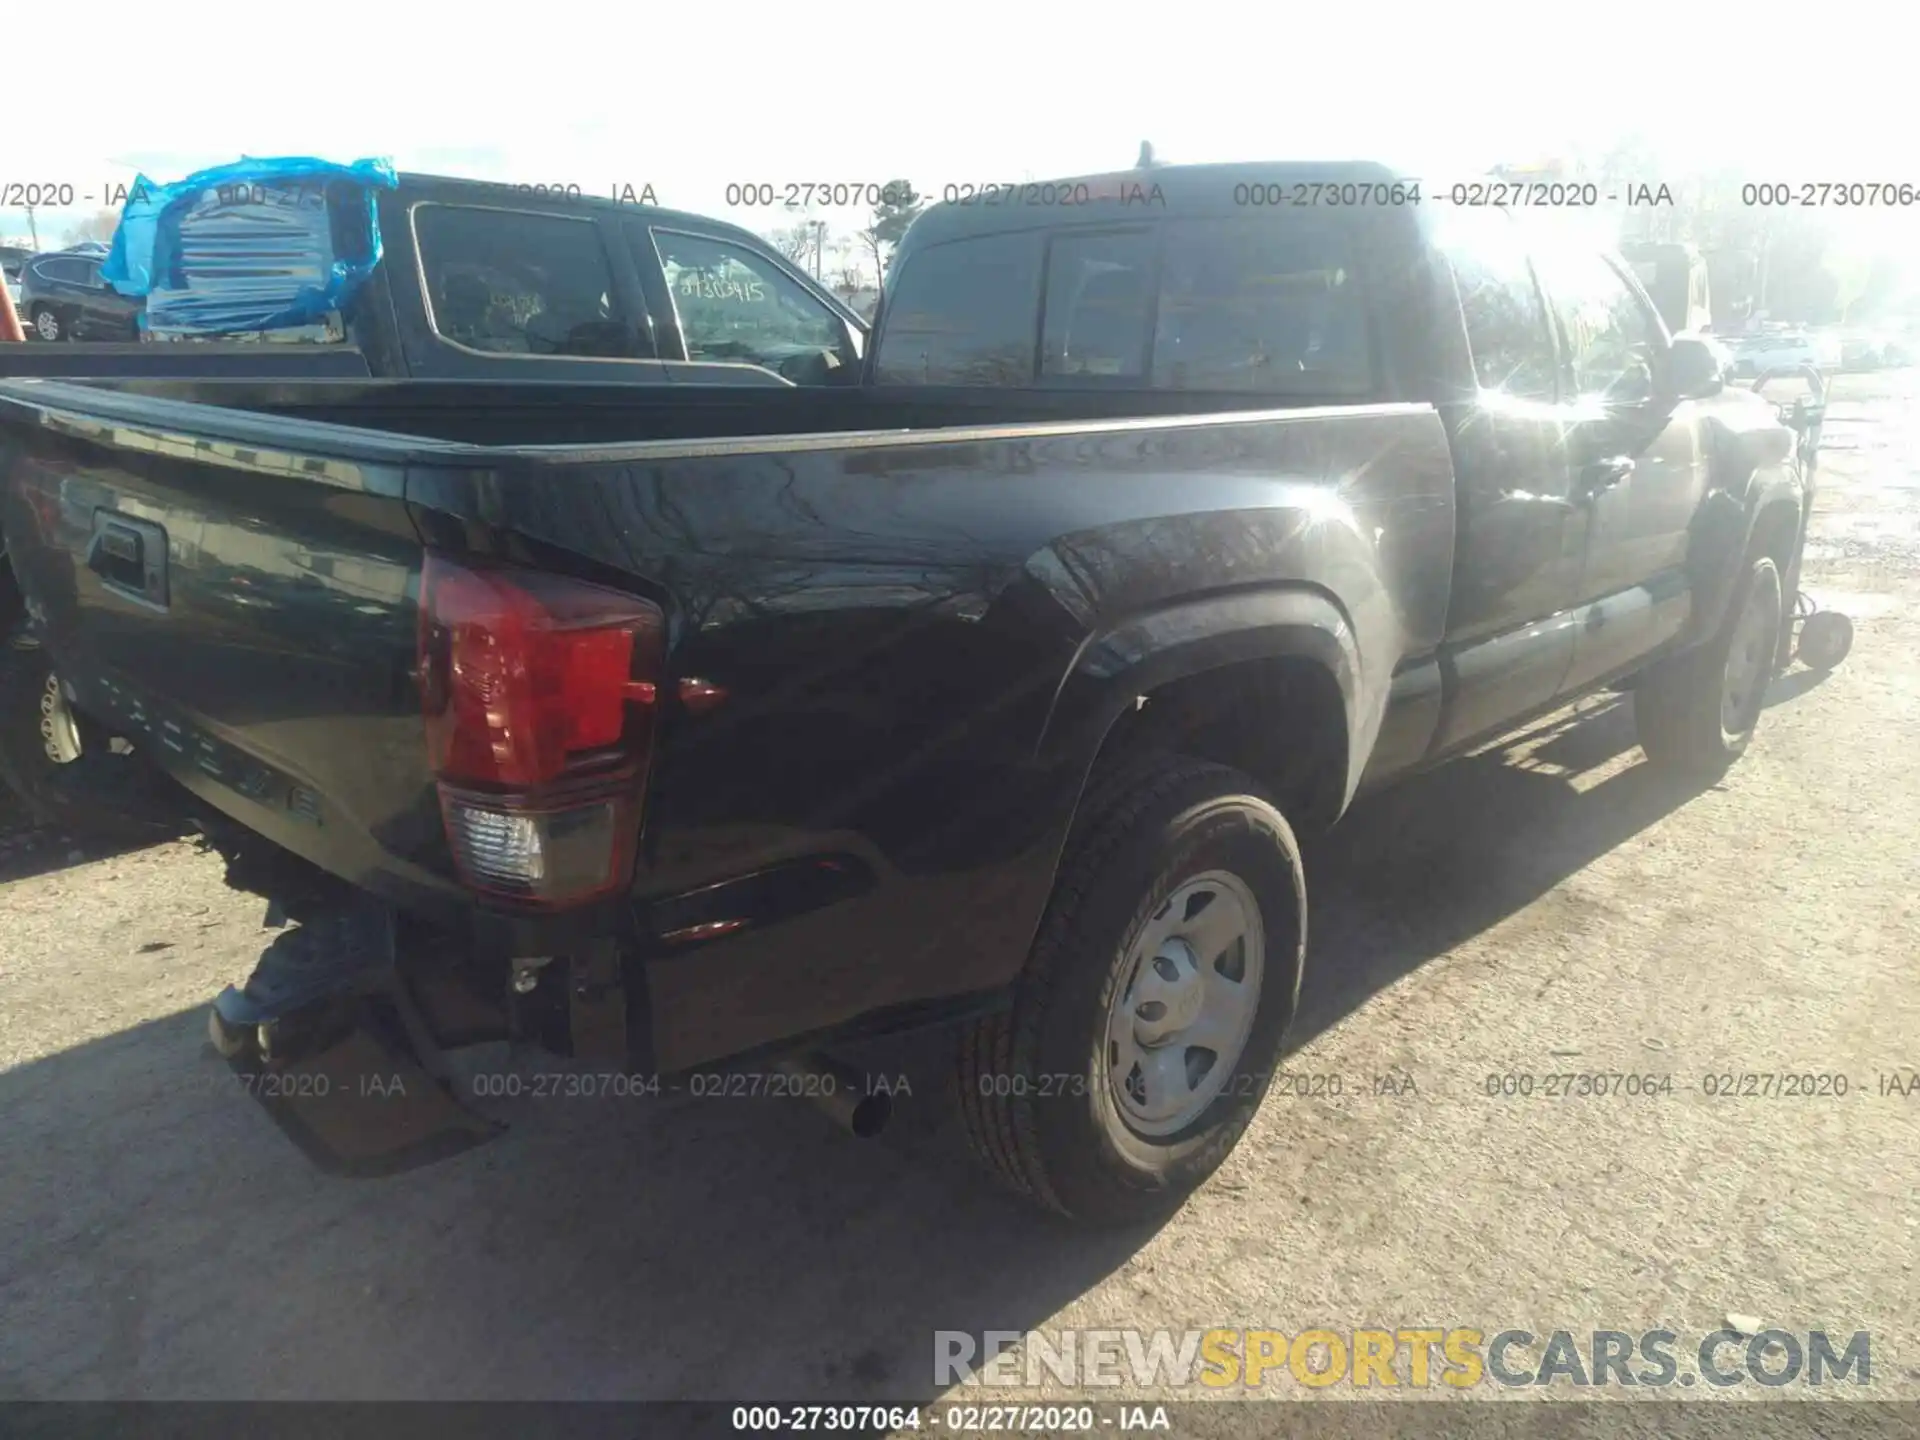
[1605, 474]
[130, 557]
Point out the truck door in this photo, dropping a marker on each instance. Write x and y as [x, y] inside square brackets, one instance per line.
[1521, 535]
[1637, 462]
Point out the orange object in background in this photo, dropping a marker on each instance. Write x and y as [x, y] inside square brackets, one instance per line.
[9, 318]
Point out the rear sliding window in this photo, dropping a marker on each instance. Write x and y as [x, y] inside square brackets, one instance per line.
[506, 282]
[1253, 305]
[964, 313]
[1099, 306]
[1261, 305]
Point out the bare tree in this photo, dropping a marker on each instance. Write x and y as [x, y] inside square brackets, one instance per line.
[794, 242]
[848, 276]
[98, 226]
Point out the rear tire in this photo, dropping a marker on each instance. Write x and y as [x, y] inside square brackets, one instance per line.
[1093, 1096]
[47, 324]
[1696, 712]
[64, 770]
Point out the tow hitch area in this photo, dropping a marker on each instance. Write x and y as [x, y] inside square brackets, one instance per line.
[330, 1037]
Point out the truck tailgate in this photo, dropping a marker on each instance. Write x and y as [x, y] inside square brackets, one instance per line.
[242, 606]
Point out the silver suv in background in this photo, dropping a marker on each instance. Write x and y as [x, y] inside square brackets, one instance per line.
[1756, 354]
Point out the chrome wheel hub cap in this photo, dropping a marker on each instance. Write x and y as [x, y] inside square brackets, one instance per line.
[1748, 663]
[1177, 1027]
[47, 325]
[58, 735]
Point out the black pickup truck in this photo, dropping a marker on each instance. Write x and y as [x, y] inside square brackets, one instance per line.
[734, 723]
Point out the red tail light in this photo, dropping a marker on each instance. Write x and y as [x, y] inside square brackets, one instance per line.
[539, 694]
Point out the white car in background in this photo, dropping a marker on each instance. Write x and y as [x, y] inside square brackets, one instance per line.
[1754, 355]
[12, 257]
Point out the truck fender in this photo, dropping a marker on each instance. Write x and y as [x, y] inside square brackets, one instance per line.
[1724, 531]
[1115, 667]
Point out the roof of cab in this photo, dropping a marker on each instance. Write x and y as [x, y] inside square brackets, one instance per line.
[528, 197]
[1121, 195]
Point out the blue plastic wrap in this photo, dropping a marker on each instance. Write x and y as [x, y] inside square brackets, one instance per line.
[255, 245]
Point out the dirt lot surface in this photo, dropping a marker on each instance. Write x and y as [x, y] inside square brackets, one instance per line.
[1547, 907]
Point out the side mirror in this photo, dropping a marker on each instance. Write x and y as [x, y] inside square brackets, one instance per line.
[1693, 369]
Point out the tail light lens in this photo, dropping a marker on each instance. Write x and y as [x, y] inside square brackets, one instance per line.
[540, 696]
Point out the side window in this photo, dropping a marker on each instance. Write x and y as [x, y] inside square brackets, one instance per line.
[1507, 325]
[1099, 305]
[512, 283]
[1261, 305]
[963, 313]
[1611, 339]
[736, 306]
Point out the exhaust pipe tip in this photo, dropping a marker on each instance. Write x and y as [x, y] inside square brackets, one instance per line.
[841, 1093]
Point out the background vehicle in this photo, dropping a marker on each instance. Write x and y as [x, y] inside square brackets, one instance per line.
[483, 280]
[1872, 350]
[729, 722]
[1754, 355]
[62, 297]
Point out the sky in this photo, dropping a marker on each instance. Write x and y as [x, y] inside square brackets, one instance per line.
[691, 99]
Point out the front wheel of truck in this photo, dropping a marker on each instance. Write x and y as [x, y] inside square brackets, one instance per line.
[1148, 1021]
[65, 770]
[1696, 712]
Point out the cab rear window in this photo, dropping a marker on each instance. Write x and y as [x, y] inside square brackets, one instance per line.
[1253, 305]
[964, 313]
[1261, 305]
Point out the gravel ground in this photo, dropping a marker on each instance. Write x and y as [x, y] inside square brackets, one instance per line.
[1548, 906]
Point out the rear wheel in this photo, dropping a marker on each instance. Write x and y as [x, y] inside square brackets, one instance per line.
[1145, 1029]
[67, 772]
[1696, 712]
[47, 324]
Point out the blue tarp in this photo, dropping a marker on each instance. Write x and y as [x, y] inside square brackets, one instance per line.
[255, 245]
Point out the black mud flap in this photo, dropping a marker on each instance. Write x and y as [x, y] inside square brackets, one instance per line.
[326, 1037]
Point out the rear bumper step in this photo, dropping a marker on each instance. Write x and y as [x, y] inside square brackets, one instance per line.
[329, 1038]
